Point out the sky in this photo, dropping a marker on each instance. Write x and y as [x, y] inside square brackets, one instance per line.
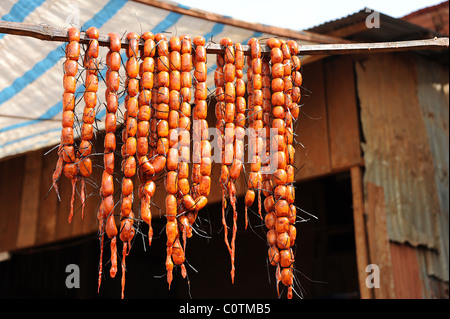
[301, 15]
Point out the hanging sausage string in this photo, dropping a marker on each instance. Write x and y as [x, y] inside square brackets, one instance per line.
[165, 136]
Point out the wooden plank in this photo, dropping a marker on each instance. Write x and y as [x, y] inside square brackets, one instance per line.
[48, 206]
[342, 114]
[406, 272]
[29, 205]
[362, 249]
[378, 240]
[312, 155]
[11, 172]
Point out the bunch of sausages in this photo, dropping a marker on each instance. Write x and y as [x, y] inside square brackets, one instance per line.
[76, 163]
[165, 134]
[279, 190]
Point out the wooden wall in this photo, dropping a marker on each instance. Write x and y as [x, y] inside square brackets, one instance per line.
[328, 136]
[328, 127]
[27, 217]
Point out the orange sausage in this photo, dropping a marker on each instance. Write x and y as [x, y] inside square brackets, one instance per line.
[107, 187]
[73, 50]
[183, 186]
[68, 153]
[270, 220]
[229, 72]
[150, 188]
[172, 182]
[68, 101]
[200, 203]
[249, 197]
[205, 186]
[282, 224]
[108, 160]
[287, 276]
[269, 203]
[69, 83]
[200, 71]
[282, 208]
[162, 146]
[271, 237]
[74, 34]
[283, 240]
[274, 255]
[172, 159]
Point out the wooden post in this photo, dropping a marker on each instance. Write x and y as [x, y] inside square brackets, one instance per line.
[362, 253]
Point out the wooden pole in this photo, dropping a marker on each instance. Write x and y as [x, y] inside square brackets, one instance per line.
[49, 33]
[362, 253]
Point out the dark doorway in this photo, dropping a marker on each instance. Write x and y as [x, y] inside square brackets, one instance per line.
[325, 257]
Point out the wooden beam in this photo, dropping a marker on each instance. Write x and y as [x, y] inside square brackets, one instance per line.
[49, 33]
[362, 250]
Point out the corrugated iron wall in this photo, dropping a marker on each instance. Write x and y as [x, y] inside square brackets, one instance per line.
[433, 97]
[404, 114]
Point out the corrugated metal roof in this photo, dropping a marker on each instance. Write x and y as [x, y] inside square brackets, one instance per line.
[31, 70]
[390, 29]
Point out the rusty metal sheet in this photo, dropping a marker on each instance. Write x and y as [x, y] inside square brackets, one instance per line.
[404, 151]
[397, 153]
[390, 28]
[433, 96]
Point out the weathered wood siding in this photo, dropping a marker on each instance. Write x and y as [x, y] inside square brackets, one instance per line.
[27, 217]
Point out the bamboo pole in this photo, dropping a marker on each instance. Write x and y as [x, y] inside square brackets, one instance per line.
[50, 33]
